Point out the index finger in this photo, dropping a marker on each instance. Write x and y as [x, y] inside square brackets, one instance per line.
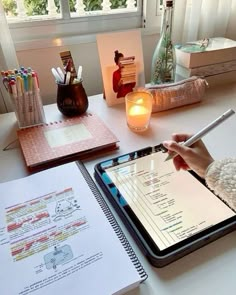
[180, 137]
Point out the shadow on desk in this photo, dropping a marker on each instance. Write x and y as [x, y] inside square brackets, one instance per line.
[207, 254]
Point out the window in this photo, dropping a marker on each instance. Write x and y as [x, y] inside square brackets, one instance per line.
[52, 8]
[44, 21]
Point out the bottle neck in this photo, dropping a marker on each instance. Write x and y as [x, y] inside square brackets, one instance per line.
[167, 21]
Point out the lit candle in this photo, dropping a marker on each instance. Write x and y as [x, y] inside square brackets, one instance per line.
[138, 116]
[138, 110]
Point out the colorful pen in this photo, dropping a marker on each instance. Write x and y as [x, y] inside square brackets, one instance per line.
[23, 87]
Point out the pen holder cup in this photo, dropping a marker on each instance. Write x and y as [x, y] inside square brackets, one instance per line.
[28, 108]
[72, 99]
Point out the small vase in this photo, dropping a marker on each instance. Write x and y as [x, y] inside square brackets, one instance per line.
[164, 61]
[72, 99]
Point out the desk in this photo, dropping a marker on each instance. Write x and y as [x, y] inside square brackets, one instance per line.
[209, 270]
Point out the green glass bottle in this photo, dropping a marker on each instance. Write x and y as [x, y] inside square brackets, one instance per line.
[164, 61]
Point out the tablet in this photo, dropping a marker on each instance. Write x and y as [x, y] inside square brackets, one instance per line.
[169, 213]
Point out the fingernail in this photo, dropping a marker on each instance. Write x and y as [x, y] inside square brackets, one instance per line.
[166, 143]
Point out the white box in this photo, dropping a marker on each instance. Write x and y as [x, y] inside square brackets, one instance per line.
[219, 50]
[208, 70]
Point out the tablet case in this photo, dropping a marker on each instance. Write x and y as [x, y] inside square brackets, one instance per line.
[140, 235]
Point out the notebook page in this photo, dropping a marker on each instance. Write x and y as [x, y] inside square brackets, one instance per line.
[171, 205]
[55, 239]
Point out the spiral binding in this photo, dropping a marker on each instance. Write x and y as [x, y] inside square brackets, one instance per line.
[63, 121]
[112, 221]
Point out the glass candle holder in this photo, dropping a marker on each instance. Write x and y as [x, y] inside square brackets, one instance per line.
[138, 110]
[72, 99]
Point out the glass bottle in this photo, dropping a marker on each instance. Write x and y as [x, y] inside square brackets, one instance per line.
[163, 61]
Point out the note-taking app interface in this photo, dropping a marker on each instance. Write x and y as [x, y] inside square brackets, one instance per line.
[171, 205]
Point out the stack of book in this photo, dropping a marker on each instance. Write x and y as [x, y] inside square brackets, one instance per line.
[128, 70]
[216, 62]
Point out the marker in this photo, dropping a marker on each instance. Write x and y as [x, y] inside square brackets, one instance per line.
[31, 99]
[79, 74]
[39, 112]
[25, 80]
[67, 78]
[36, 75]
[30, 82]
[60, 72]
[19, 85]
[5, 83]
[13, 92]
[12, 84]
[204, 131]
[35, 81]
[20, 99]
[56, 75]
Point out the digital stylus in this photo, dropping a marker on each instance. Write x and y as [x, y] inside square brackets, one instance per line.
[204, 131]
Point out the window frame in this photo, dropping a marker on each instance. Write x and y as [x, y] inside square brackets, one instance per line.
[56, 32]
[46, 32]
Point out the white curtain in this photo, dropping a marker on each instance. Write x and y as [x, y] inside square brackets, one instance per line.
[8, 58]
[198, 19]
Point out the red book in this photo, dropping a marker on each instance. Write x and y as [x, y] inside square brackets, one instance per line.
[56, 143]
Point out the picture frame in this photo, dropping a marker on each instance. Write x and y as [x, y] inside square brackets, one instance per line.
[122, 66]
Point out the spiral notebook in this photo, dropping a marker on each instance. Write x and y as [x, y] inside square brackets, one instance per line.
[74, 138]
[56, 226]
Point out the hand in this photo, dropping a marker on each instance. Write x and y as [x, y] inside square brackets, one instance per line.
[196, 157]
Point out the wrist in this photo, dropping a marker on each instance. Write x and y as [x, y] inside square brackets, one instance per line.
[208, 168]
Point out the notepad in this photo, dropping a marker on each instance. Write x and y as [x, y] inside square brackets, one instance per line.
[58, 236]
[73, 138]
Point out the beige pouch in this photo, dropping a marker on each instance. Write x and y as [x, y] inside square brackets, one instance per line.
[168, 96]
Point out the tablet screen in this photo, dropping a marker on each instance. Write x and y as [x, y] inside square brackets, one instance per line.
[171, 206]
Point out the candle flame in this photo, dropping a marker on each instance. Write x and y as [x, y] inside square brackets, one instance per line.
[139, 101]
[138, 110]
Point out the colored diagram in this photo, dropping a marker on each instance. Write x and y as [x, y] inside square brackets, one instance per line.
[65, 207]
[59, 256]
[43, 223]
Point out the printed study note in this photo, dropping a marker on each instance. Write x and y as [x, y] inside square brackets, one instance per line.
[171, 205]
[55, 238]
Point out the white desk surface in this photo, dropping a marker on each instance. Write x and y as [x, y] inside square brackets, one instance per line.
[209, 270]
